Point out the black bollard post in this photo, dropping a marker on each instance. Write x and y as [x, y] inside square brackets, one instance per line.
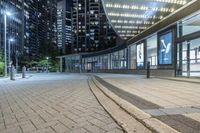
[24, 72]
[12, 73]
[148, 69]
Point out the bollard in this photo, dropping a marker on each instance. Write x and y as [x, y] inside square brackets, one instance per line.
[12, 73]
[24, 72]
[148, 69]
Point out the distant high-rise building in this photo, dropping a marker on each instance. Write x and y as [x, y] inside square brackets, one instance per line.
[31, 42]
[64, 26]
[32, 25]
[92, 31]
[39, 27]
[47, 17]
[15, 25]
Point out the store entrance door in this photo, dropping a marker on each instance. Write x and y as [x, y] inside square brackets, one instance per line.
[188, 58]
[92, 67]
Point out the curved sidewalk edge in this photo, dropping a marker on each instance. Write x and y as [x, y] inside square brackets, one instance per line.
[140, 116]
[122, 118]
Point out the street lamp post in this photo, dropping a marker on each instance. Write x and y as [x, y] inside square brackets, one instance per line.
[47, 63]
[9, 49]
[5, 42]
[5, 56]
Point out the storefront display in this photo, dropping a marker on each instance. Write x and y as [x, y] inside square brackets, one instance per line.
[165, 49]
[140, 55]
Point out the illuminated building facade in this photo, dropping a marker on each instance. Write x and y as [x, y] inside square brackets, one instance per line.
[170, 45]
[92, 30]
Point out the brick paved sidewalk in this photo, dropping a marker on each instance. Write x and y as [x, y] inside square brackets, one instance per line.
[49, 103]
[176, 103]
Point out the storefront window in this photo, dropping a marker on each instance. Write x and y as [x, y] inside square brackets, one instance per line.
[140, 55]
[188, 55]
[198, 55]
[100, 62]
[122, 59]
[115, 60]
[152, 51]
[89, 65]
[165, 49]
[189, 25]
[72, 63]
[105, 62]
[95, 63]
[194, 57]
[184, 56]
[133, 56]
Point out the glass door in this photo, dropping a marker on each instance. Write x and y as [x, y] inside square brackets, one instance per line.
[188, 58]
[195, 58]
[182, 60]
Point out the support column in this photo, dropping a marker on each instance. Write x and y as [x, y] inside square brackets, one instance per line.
[188, 59]
[180, 67]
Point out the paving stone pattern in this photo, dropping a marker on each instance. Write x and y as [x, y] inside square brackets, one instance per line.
[179, 101]
[52, 106]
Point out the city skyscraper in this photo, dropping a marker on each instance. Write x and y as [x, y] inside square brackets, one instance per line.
[91, 29]
[31, 29]
[64, 26]
[11, 31]
[47, 26]
[14, 25]
[40, 27]
[32, 25]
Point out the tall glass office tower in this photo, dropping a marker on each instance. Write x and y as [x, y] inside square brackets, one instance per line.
[92, 31]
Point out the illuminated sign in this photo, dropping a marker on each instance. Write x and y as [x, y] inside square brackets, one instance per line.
[165, 49]
[140, 55]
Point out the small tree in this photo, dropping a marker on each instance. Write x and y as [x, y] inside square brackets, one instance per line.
[1, 62]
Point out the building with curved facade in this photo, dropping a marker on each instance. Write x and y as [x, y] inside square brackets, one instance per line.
[165, 33]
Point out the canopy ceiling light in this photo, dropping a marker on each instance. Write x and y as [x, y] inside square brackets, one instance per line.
[130, 17]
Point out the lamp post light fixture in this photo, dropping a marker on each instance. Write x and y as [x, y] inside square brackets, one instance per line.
[8, 13]
[5, 42]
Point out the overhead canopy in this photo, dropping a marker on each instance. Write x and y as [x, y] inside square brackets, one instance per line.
[130, 17]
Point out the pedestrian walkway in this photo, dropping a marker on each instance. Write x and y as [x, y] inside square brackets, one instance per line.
[52, 103]
[195, 80]
[175, 103]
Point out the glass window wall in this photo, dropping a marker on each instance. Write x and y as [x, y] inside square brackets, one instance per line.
[72, 63]
[105, 62]
[89, 65]
[195, 57]
[189, 25]
[188, 58]
[133, 56]
[152, 51]
[95, 64]
[140, 55]
[115, 60]
[122, 59]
